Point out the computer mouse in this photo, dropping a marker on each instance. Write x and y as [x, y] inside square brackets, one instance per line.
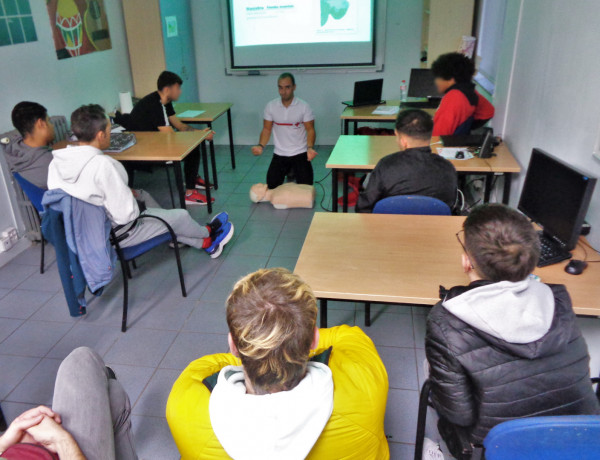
[576, 267]
[460, 155]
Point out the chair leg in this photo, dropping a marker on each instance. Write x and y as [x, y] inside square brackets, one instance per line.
[2, 421]
[125, 270]
[134, 264]
[170, 187]
[422, 419]
[180, 270]
[367, 314]
[42, 256]
[128, 268]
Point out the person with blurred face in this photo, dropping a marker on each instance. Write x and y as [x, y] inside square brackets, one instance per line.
[292, 123]
[28, 153]
[155, 112]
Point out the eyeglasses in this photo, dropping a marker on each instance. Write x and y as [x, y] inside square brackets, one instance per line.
[464, 247]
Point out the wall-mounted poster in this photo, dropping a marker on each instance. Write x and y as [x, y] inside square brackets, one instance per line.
[78, 26]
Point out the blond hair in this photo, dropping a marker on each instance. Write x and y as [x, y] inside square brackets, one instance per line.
[272, 315]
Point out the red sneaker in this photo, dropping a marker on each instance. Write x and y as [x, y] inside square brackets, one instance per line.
[201, 184]
[196, 198]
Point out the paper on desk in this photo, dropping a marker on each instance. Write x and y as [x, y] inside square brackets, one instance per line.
[118, 129]
[190, 113]
[449, 153]
[386, 110]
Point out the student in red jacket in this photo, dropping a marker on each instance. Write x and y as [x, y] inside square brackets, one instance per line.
[462, 108]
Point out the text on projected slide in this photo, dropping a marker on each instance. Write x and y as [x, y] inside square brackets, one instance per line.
[280, 22]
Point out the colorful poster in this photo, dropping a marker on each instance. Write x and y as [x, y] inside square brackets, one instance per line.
[78, 26]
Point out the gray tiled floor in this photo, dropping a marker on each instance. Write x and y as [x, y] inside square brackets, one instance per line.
[167, 331]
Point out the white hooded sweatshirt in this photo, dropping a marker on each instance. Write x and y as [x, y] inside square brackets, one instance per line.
[283, 425]
[86, 173]
[520, 312]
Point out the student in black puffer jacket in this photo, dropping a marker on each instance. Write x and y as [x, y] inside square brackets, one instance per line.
[505, 346]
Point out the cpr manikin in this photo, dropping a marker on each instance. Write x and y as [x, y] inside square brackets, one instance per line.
[289, 195]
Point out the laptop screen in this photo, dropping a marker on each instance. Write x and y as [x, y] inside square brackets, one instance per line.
[368, 92]
[421, 84]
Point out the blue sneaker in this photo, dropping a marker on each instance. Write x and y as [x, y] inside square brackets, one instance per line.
[217, 222]
[222, 237]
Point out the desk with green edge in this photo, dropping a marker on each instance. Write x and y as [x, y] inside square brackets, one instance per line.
[211, 111]
[365, 113]
[361, 154]
[404, 259]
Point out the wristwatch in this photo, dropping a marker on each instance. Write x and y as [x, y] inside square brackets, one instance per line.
[261, 146]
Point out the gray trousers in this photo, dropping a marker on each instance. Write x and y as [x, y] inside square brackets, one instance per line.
[188, 231]
[93, 408]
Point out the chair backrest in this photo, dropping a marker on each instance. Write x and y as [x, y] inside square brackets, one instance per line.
[545, 438]
[33, 192]
[412, 204]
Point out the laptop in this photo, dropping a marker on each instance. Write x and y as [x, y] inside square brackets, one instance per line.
[367, 92]
[421, 86]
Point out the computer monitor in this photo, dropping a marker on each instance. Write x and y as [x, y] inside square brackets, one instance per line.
[556, 197]
[421, 84]
[366, 92]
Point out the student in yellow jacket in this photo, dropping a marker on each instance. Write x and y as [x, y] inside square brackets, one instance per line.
[300, 392]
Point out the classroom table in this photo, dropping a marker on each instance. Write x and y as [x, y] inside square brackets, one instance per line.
[365, 114]
[361, 153]
[400, 259]
[157, 147]
[211, 111]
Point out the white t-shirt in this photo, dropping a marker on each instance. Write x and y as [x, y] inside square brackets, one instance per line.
[289, 133]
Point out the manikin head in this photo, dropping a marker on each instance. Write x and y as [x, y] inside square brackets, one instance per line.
[500, 244]
[450, 69]
[272, 317]
[259, 192]
[169, 86]
[91, 126]
[413, 129]
[33, 123]
[287, 85]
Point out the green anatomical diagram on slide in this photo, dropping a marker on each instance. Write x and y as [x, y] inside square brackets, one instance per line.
[337, 9]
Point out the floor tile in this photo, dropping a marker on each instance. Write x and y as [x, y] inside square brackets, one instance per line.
[153, 438]
[38, 386]
[288, 247]
[8, 326]
[11, 275]
[400, 416]
[401, 366]
[140, 347]
[133, 378]
[240, 265]
[400, 451]
[338, 317]
[32, 255]
[21, 304]
[97, 337]
[207, 317]
[285, 262]
[419, 326]
[220, 288]
[389, 329]
[56, 309]
[153, 400]
[247, 245]
[14, 369]
[12, 410]
[189, 346]
[34, 338]
[167, 314]
[48, 281]
[267, 213]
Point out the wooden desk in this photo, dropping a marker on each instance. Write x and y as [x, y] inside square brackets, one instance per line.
[403, 260]
[362, 153]
[211, 112]
[157, 147]
[365, 113]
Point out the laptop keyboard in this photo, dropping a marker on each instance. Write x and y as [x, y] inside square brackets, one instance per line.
[552, 252]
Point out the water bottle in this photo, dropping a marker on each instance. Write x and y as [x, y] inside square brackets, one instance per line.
[403, 91]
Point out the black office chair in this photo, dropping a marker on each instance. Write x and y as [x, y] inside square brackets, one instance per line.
[468, 450]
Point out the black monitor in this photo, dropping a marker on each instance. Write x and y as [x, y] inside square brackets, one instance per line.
[557, 197]
[421, 84]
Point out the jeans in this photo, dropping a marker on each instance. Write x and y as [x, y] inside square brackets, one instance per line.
[94, 408]
[280, 166]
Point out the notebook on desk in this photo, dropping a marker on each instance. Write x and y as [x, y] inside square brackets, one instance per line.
[120, 142]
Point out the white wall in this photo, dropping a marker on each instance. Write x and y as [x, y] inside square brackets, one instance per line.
[323, 91]
[31, 71]
[552, 101]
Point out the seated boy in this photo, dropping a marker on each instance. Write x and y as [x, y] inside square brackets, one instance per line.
[29, 154]
[86, 173]
[505, 346]
[155, 112]
[279, 404]
[462, 108]
[415, 170]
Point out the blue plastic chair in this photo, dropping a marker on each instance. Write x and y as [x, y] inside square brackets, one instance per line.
[547, 438]
[35, 195]
[130, 253]
[412, 204]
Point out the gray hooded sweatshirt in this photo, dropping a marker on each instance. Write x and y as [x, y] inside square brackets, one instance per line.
[30, 162]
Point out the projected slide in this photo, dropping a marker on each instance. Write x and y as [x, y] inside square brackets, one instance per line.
[280, 22]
